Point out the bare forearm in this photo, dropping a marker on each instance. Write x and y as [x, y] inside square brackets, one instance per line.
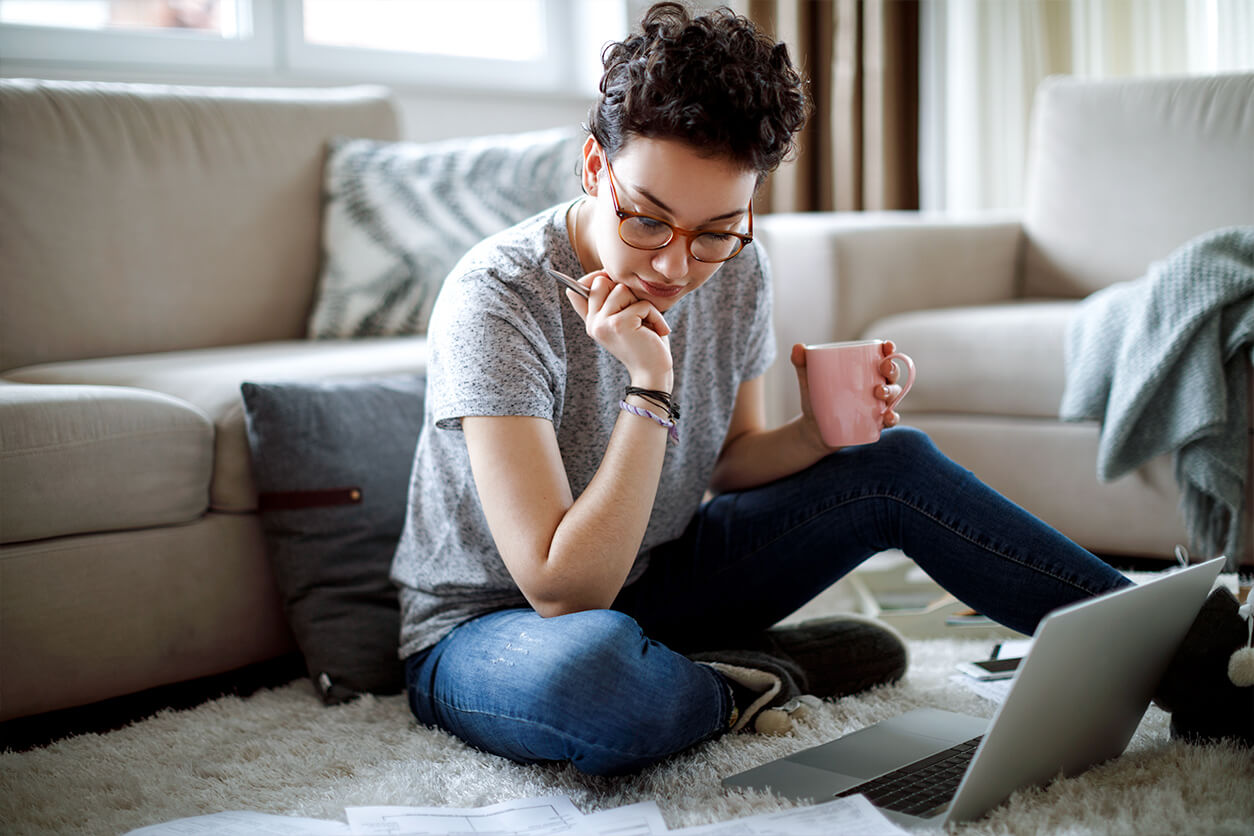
[580, 554]
[756, 458]
[596, 543]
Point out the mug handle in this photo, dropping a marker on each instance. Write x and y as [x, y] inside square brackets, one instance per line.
[905, 387]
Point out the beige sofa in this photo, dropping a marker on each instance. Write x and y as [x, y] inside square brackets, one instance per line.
[161, 245]
[1121, 172]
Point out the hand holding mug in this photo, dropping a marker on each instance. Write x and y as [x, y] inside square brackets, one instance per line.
[851, 391]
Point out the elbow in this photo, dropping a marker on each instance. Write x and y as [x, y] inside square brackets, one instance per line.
[566, 601]
[724, 480]
[553, 588]
[552, 609]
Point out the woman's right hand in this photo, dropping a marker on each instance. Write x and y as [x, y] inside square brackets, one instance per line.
[630, 329]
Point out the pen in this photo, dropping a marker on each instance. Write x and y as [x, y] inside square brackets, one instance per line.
[569, 282]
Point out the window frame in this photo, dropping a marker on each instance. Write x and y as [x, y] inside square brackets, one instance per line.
[275, 51]
[320, 60]
[165, 49]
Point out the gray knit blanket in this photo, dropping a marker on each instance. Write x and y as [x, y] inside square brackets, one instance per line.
[1162, 363]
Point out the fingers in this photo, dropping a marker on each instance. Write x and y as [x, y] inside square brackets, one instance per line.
[798, 358]
[888, 368]
[605, 295]
[577, 302]
[600, 286]
[652, 318]
[609, 298]
[888, 393]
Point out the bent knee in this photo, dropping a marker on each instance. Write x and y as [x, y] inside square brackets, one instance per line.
[907, 439]
[599, 634]
[599, 649]
[896, 447]
[634, 691]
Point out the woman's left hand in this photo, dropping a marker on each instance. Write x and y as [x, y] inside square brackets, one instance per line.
[885, 392]
[891, 390]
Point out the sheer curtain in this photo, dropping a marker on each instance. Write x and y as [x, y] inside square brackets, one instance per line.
[982, 59]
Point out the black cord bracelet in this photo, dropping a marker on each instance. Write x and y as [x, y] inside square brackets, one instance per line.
[657, 397]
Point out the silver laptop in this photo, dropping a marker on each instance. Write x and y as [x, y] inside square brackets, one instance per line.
[1076, 701]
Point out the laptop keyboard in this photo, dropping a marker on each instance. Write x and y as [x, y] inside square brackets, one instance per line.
[921, 788]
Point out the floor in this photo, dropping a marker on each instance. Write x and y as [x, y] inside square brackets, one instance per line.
[27, 733]
[888, 587]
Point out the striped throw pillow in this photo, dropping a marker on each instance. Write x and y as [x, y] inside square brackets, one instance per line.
[399, 215]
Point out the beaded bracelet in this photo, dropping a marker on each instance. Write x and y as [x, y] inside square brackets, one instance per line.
[671, 429]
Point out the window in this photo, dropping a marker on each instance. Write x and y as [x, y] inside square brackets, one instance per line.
[205, 17]
[503, 43]
[511, 30]
[195, 34]
[523, 44]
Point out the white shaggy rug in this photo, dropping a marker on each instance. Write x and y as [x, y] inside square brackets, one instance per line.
[280, 751]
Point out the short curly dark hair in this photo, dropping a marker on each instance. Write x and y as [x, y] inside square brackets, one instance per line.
[714, 81]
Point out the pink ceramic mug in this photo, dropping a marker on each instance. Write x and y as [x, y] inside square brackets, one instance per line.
[843, 378]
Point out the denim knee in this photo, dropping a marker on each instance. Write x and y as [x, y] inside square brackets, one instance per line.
[637, 700]
[900, 452]
[588, 688]
[627, 685]
[910, 444]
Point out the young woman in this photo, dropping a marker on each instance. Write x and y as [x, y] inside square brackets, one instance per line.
[560, 556]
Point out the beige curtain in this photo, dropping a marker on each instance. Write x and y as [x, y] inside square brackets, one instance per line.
[860, 148]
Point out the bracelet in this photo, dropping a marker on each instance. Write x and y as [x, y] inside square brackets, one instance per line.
[671, 429]
[655, 396]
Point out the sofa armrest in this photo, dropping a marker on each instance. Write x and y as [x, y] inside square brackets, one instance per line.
[89, 459]
[846, 270]
[835, 273]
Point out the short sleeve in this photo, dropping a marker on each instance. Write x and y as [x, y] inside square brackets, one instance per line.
[493, 358]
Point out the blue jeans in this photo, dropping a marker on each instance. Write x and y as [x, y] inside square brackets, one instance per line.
[610, 691]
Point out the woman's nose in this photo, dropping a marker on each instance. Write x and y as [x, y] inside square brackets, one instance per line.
[672, 260]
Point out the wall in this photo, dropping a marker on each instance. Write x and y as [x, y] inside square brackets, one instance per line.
[426, 113]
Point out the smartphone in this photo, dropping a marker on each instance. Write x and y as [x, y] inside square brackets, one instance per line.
[989, 670]
[569, 282]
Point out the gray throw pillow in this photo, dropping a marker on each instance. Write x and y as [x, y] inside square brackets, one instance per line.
[332, 462]
[398, 216]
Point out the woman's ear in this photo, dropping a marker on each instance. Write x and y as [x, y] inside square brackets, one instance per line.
[593, 162]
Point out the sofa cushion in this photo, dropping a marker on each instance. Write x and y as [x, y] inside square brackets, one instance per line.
[140, 218]
[399, 216]
[332, 462]
[1123, 171]
[78, 459]
[209, 379]
[1046, 466]
[983, 360]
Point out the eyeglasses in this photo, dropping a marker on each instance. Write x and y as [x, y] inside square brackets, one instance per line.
[645, 232]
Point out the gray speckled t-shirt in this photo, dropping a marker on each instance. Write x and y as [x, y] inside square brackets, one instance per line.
[503, 340]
